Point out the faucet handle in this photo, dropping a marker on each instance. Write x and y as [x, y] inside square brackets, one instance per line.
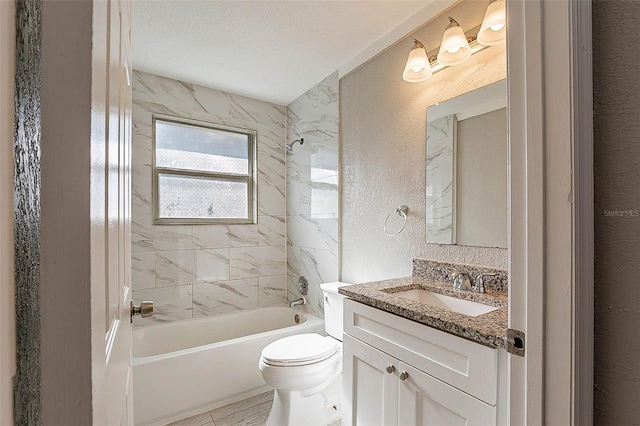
[479, 282]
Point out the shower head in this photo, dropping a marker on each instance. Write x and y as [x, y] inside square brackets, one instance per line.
[289, 146]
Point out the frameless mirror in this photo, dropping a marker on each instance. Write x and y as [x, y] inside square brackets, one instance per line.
[466, 200]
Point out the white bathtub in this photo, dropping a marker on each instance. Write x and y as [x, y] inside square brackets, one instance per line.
[187, 367]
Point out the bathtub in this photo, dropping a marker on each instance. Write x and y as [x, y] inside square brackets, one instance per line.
[187, 367]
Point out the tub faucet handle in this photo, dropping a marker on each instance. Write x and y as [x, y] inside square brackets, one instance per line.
[303, 285]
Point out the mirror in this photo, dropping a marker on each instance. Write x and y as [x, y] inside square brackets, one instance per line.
[466, 199]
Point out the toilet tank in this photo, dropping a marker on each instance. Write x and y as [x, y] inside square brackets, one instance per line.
[333, 309]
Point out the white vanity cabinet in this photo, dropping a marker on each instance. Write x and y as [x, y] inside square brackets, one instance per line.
[399, 372]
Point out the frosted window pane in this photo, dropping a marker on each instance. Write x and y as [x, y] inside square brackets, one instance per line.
[190, 147]
[195, 197]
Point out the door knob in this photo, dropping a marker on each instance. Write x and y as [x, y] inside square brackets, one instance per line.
[404, 375]
[145, 309]
[391, 368]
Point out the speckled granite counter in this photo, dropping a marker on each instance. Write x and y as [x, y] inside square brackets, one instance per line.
[487, 329]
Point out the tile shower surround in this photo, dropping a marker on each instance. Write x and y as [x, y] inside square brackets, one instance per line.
[193, 271]
[312, 191]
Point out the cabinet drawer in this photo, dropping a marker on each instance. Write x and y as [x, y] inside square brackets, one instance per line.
[468, 366]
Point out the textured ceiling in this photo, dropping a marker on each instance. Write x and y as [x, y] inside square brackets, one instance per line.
[269, 50]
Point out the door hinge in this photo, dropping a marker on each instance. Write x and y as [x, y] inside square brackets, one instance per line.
[514, 341]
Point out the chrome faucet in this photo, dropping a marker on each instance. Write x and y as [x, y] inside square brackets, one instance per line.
[462, 281]
[298, 302]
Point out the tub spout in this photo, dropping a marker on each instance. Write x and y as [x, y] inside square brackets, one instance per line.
[298, 302]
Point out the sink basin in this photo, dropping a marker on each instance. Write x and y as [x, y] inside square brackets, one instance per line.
[465, 307]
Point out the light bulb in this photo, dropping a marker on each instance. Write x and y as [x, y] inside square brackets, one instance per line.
[417, 67]
[417, 63]
[454, 48]
[492, 31]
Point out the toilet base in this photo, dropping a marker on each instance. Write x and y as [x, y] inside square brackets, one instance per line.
[291, 408]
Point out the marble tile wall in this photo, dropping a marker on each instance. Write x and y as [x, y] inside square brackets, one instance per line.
[192, 271]
[312, 191]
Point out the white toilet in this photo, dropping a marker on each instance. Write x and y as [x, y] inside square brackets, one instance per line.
[306, 370]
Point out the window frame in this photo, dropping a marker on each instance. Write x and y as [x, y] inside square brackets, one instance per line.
[250, 178]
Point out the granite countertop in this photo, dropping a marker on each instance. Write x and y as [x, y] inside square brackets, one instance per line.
[487, 329]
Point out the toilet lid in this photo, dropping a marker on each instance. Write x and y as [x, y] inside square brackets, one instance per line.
[301, 349]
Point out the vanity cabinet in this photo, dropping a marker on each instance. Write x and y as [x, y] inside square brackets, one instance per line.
[399, 372]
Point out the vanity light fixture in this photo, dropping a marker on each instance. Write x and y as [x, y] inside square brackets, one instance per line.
[417, 68]
[454, 48]
[493, 30]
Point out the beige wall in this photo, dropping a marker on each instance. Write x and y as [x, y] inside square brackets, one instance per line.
[481, 188]
[7, 312]
[617, 235]
[383, 121]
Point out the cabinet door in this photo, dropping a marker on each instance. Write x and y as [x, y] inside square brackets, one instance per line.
[424, 400]
[370, 395]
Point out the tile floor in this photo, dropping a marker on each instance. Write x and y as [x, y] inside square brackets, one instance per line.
[248, 412]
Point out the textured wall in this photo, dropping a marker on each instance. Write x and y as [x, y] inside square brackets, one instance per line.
[192, 271]
[312, 191]
[7, 302]
[617, 234]
[383, 120]
[27, 210]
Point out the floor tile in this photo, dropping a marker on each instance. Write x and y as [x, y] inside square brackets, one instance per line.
[249, 412]
[203, 419]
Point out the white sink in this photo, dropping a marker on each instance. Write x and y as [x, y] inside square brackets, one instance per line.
[465, 307]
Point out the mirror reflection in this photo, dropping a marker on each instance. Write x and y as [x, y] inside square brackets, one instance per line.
[466, 200]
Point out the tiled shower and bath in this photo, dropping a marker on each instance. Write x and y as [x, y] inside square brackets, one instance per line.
[198, 271]
[192, 271]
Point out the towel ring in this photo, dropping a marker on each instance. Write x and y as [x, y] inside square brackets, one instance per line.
[400, 211]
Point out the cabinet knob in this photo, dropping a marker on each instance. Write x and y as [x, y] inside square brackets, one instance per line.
[404, 375]
[391, 368]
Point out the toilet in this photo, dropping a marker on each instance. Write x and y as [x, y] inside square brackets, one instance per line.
[306, 370]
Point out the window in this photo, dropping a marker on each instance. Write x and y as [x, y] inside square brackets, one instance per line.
[202, 172]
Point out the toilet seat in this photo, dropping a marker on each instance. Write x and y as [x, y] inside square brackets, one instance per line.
[299, 350]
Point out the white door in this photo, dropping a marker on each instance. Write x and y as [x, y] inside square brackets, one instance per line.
[425, 400]
[110, 209]
[551, 224]
[370, 385]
